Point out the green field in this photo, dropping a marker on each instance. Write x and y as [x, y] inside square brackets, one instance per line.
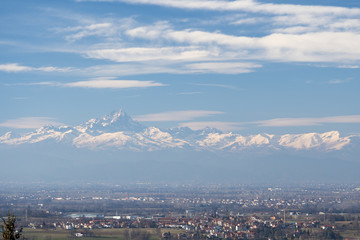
[137, 233]
[106, 234]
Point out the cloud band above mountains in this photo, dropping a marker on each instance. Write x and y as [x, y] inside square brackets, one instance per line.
[30, 122]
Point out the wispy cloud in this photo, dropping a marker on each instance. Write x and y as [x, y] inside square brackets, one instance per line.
[160, 64]
[188, 93]
[291, 122]
[108, 28]
[224, 67]
[331, 82]
[217, 85]
[306, 47]
[291, 17]
[15, 67]
[30, 122]
[150, 54]
[89, 30]
[248, 20]
[134, 63]
[223, 126]
[127, 69]
[103, 83]
[294, 33]
[349, 66]
[241, 5]
[276, 122]
[176, 116]
[338, 81]
[20, 98]
[114, 84]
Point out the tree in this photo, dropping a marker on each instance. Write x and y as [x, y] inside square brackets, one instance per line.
[8, 229]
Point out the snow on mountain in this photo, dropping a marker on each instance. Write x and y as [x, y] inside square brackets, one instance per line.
[5, 137]
[189, 134]
[161, 139]
[216, 140]
[41, 134]
[150, 139]
[86, 140]
[328, 141]
[253, 140]
[115, 122]
[235, 142]
[120, 131]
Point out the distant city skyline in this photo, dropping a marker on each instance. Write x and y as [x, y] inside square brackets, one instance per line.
[247, 66]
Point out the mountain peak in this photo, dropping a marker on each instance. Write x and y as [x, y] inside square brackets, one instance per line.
[114, 122]
[115, 115]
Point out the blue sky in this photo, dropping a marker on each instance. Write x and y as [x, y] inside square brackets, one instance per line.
[248, 66]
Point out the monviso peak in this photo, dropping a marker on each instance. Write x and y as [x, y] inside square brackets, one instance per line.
[115, 122]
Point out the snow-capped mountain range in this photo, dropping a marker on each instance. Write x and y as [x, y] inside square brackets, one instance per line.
[119, 131]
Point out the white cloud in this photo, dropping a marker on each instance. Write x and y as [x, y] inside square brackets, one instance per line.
[168, 66]
[276, 122]
[140, 54]
[15, 67]
[223, 126]
[312, 47]
[108, 28]
[349, 66]
[338, 81]
[104, 83]
[315, 23]
[20, 98]
[128, 69]
[187, 36]
[114, 84]
[217, 85]
[319, 17]
[306, 47]
[143, 65]
[223, 67]
[54, 69]
[249, 20]
[175, 116]
[30, 122]
[149, 33]
[243, 5]
[291, 122]
[219, 47]
[294, 33]
[89, 30]
[188, 93]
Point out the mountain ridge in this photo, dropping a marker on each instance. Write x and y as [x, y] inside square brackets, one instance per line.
[119, 131]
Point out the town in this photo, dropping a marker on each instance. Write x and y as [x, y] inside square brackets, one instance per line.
[186, 211]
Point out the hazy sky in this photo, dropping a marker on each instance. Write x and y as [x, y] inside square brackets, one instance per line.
[246, 65]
